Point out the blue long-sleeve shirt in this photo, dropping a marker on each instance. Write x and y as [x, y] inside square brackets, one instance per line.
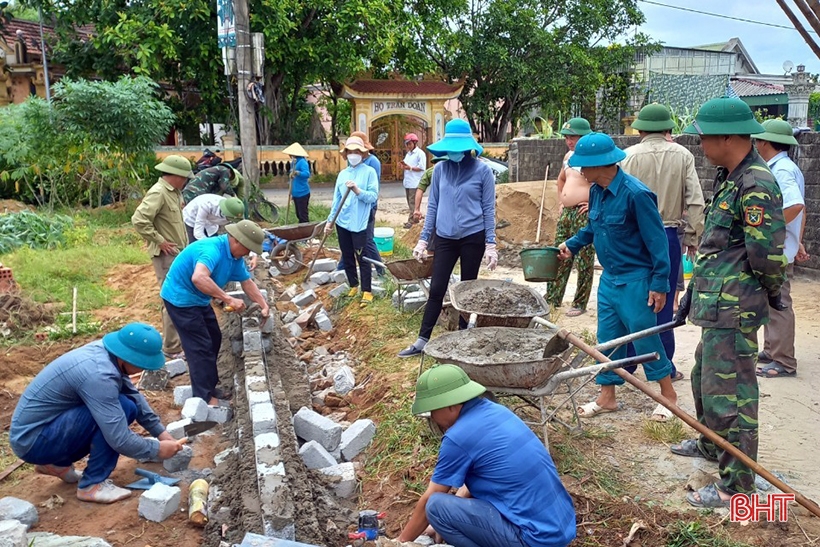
[300, 187]
[628, 233]
[86, 376]
[373, 161]
[355, 210]
[462, 201]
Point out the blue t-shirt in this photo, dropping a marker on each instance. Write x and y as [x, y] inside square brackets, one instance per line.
[300, 186]
[491, 451]
[215, 254]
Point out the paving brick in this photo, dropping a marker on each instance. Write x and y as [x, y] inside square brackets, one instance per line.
[182, 394]
[312, 426]
[320, 278]
[292, 329]
[195, 409]
[13, 534]
[263, 417]
[304, 299]
[16, 509]
[339, 290]
[220, 414]
[356, 438]
[252, 341]
[176, 367]
[344, 485]
[325, 265]
[154, 380]
[176, 429]
[159, 502]
[338, 276]
[179, 461]
[315, 456]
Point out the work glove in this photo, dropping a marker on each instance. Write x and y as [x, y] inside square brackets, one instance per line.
[776, 303]
[420, 252]
[684, 306]
[491, 255]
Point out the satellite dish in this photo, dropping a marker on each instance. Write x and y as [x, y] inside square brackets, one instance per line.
[788, 66]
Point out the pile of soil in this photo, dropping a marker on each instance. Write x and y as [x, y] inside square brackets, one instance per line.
[21, 314]
[516, 211]
[510, 300]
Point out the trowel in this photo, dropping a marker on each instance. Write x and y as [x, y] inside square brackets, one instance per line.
[150, 480]
[197, 427]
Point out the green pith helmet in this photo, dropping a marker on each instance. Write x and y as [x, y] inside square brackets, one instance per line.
[576, 126]
[443, 386]
[175, 165]
[249, 234]
[724, 116]
[653, 118]
[777, 131]
[232, 208]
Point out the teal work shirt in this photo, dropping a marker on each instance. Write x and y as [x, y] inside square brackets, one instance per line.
[628, 233]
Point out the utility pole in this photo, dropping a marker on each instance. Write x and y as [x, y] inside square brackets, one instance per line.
[247, 114]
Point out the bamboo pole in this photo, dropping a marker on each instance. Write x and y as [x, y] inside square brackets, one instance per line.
[799, 27]
[74, 312]
[324, 236]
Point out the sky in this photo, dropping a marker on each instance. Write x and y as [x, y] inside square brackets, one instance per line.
[768, 47]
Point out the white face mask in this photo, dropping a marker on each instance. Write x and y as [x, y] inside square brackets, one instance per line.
[455, 156]
[354, 159]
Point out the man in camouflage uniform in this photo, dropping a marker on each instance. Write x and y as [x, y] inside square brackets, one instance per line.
[738, 272]
[219, 180]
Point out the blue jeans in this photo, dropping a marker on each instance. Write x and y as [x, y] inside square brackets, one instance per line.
[469, 522]
[73, 435]
[370, 250]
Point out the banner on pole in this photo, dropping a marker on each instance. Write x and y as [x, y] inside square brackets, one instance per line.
[226, 23]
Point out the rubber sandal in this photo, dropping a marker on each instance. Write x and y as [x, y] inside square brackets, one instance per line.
[592, 409]
[780, 371]
[367, 298]
[575, 312]
[689, 448]
[353, 292]
[709, 498]
[661, 414]
[678, 376]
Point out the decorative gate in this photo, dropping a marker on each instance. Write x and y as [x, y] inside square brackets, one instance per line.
[387, 138]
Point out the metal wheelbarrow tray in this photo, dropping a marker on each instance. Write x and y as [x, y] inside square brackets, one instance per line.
[287, 257]
[480, 300]
[296, 232]
[411, 269]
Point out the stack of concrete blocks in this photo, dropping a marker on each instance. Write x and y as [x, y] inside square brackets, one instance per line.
[278, 511]
[159, 502]
[330, 448]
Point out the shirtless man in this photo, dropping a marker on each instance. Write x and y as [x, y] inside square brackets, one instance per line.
[573, 193]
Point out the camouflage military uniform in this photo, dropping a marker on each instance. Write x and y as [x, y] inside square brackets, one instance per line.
[213, 180]
[740, 263]
[570, 223]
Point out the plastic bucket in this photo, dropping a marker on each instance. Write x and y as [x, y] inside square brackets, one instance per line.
[687, 267]
[383, 237]
[540, 263]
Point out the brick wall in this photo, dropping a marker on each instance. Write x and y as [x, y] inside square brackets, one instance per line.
[529, 159]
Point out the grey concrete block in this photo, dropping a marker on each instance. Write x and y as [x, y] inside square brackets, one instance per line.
[255, 540]
[251, 341]
[309, 285]
[159, 502]
[176, 429]
[325, 265]
[323, 321]
[154, 380]
[267, 326]
[338, 276]
[312, 426]
[339, 290]
[274, 272]
[222, 456]
[320, 278]
[289, 317]
[304, 299]
[176, 367]
[343, 380]
[315, 456]
[195, 409]
[414, 304]
[288, 293]
[182, 394]
[263, 417]
[17, 509]
[292, 329]
[13, 534]
[46, 539]
[179, 461]
[242, 296]
[220, 414]
[344, 479]
[377, 291]
[236, 347]
[356, 438]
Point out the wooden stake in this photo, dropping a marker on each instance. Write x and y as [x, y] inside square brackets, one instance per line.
[74, 312]
[10, 469]
[541, 209]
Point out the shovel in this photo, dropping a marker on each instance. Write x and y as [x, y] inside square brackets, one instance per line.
[324, 237]
[150, 480]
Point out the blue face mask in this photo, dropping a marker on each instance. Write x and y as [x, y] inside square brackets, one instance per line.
[455, 156]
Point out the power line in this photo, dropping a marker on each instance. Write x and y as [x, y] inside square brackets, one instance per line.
[721, 16]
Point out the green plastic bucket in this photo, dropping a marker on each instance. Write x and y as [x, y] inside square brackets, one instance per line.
[540, 263]
[383, 237]
[688, 267]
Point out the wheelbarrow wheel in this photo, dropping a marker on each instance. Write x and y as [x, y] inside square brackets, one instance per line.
[287, 259]
[263, 210]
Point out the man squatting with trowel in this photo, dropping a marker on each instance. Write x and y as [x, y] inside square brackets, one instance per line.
[82, 404]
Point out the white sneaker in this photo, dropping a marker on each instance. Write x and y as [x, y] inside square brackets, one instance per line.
[103, 492]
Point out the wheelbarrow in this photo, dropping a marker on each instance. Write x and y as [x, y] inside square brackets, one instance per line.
[479, 302]
[287, 257]
[408, 272]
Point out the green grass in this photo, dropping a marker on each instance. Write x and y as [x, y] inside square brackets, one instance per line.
[696, 534]
[571, 459]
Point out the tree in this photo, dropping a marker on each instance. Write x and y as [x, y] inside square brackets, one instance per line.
[517, 56]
